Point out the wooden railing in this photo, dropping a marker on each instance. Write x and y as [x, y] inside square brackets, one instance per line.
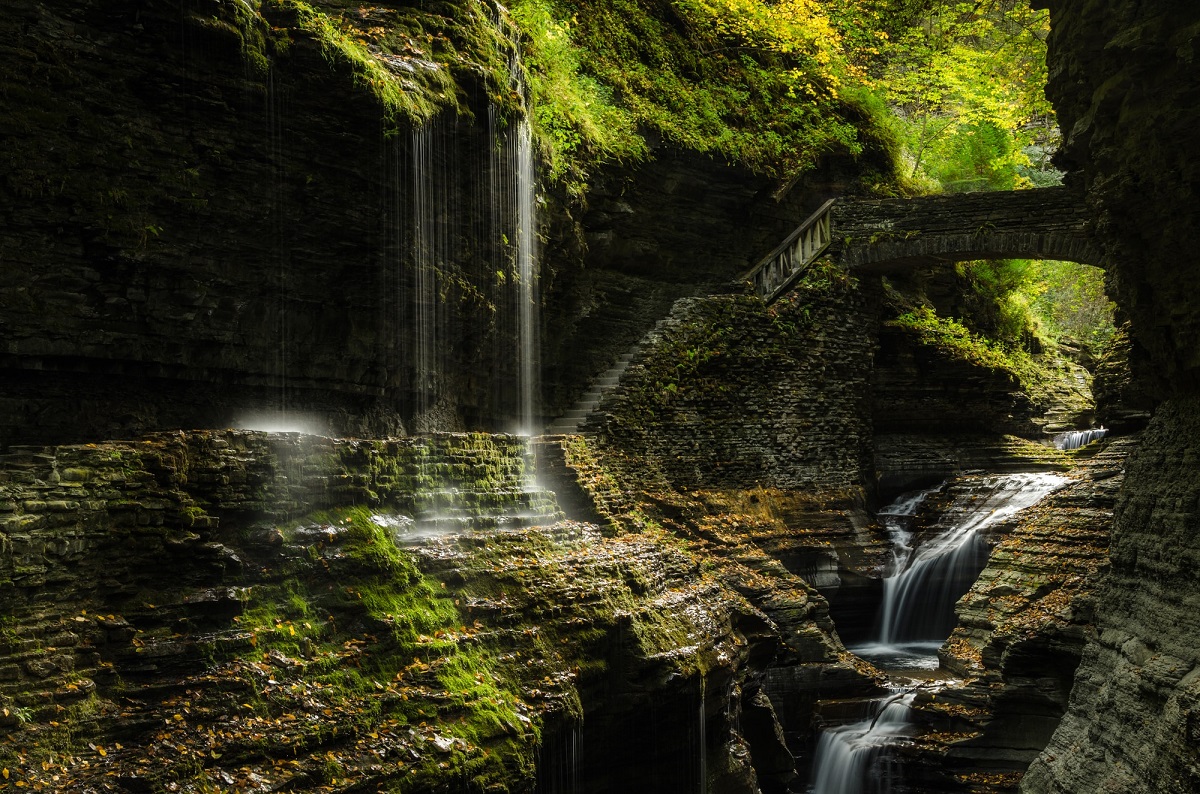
[779, 269]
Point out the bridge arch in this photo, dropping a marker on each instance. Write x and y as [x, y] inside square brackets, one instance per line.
[881, 235]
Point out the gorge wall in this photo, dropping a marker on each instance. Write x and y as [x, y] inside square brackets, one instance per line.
[258, 611]
[192, 231]
[209, 213]
[1125, 84]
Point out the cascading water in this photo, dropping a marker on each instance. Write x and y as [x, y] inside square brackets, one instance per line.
[515, 174]
[855, 758]
[921, 586]
[471, 227]
[1079, 438]
[924, 582]
[527, 275]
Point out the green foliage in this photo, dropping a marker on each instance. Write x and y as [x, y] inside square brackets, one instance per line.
[1068, 300]
[978, 156]
[966, 80]
[996, 297]
[753, 82]
[574, 116]
[955, 339]
[421, 662]
[1015, 299]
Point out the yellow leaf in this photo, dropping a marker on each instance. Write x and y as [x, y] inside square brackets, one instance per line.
[5, 772]
[102, 751]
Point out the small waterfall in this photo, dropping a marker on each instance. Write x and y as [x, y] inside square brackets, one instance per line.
[921, 590]
[432, 195]
[512, 186]
[922, 584]
[1079, 438]
[703, 740]
[520, 180]
[276, 110]
[527, 275]
[856, 758]
[558, 764]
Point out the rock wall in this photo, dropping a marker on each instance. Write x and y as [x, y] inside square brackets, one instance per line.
[1125, 83]
[209, 214]
[192, 235]
[729, 393]
[1022, 631]
[231, 610]
[1130, 722]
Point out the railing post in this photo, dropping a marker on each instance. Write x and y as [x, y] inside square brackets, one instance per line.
[801, 248]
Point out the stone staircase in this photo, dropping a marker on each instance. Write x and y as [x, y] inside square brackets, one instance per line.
[573, 419]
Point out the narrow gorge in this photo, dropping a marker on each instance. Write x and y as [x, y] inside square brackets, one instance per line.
[571, 398]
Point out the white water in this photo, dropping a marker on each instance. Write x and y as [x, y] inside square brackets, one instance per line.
[527, 275]
[513, 182]
[897, 520]
[921, 586]
[1079, 438]
[430, 192]
[853, 759]
[926, 581]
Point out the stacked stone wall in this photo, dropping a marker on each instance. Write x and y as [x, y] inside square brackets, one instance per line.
[731, 393]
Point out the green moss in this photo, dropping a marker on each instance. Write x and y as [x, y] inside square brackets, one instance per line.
[421, 663]
[954, 339]
[430, 88]
[748, 82]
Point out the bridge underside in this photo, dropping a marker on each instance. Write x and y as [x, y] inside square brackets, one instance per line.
[891, 255]
[892, 234]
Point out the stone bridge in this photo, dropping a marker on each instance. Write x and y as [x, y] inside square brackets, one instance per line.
[879, 235]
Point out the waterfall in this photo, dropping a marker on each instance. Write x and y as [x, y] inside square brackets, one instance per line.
[558, 763]
[473, 222]
[855, 758]
[527, 276]
[925, 583]
[921, 585]
[513, 197]
[1079, 438]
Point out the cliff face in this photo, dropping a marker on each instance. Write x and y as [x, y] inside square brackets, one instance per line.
[232, 610]
[209, 212]
[1125, 82]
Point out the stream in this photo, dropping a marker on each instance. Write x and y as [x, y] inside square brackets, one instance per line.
[923, 581]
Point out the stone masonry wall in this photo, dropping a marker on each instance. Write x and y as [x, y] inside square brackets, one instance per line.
[1046, 223]
[729, 393]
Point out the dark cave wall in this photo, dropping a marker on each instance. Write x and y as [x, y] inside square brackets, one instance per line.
[189, 234]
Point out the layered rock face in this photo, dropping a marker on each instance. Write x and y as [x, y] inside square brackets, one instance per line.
[233, 610]
[1021, 633]
[1129, 725]
[1124, 81]
[208, 213]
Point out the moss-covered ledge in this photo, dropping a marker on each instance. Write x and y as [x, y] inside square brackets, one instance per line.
[240, 611]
